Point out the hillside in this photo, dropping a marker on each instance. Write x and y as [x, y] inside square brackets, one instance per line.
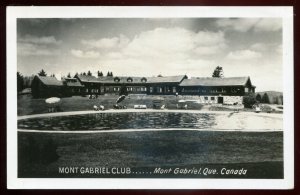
[274, 96]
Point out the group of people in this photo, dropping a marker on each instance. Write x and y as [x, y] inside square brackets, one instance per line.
[96, 108]
[116, 106]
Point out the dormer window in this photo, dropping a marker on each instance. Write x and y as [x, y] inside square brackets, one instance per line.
[129, 80]
[117, 79]
[143, 80]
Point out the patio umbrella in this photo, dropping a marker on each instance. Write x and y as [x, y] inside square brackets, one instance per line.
[52, 100]
[120, 99]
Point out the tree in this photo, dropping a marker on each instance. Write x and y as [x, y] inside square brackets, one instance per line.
[20, 82]
[218, 72]
[281, 99]
[249, 100]
[89, 73]
[265, 99]
[258, 97]
[42, 73]
[275, 100]
[159, 75]
[111, 74]
[100, 74]
[52, 75]
[27, 80]
[108, 74]
[69, 75]
[84, 74]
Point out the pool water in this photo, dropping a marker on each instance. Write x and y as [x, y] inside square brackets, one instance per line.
[109, 121]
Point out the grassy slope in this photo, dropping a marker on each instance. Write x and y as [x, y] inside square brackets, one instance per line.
[27, 105]
[41, 154]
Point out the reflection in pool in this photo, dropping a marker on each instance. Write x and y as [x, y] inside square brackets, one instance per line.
[108, 121]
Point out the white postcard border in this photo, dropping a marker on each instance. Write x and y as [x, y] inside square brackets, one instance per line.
[286, 13]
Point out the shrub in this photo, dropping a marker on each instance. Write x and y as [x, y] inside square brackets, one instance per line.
[249, 100]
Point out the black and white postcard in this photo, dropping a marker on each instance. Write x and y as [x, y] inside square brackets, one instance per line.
[150, 98]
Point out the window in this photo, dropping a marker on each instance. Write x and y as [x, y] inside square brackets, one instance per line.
[116, 79]
[174, 89]
[116, 88]
[159, 89]
[206, 98]
[212, 98]
[129, 80]
[87, 90]
[151, 89]
[106, 88]
[168, 89]
[246, 89]
[129, 88]
[143, 89]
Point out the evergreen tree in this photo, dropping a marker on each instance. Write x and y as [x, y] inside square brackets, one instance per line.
[100, 74]
[42, 73]
[108, 74]
[265, 99]
[258, 97]
[111, 74]
[84, 74]
[281, 99]
[218, 72]
[69, 75]
[89, 73]
[20, 82]
[249, 100]
[275, 100]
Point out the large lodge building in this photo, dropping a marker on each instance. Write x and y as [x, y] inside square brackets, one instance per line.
[227, 90]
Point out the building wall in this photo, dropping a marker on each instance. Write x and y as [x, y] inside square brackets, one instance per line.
[213, 91]
[233, 99]
[206, 99]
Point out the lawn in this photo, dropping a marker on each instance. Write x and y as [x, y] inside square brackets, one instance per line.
[41, 154]
[28, 105]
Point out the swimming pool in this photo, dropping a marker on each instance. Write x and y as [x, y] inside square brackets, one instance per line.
[151, 120]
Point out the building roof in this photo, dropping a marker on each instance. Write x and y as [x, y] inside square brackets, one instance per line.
[117, 79]
[86, 78]
[72, 82]
[46, 80]
[213, 81]
[166, 79]
[131, 79]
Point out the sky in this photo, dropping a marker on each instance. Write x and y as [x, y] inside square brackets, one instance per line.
[152, 46]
